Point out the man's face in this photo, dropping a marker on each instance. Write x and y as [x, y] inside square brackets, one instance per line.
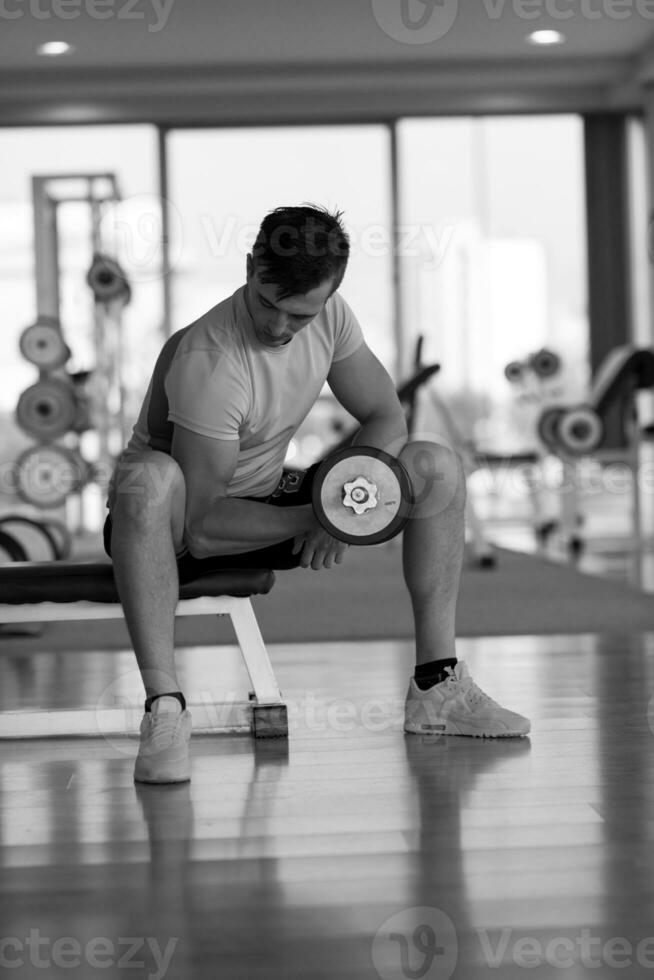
[276, 321]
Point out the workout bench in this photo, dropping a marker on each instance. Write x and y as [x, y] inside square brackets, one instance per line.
[54, 591]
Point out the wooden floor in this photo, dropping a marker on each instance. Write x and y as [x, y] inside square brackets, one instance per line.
[352, 851]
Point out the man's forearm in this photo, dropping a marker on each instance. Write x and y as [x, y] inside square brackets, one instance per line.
[388, 432]
[234, 526]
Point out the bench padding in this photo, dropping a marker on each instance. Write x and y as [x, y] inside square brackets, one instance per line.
[71, 581]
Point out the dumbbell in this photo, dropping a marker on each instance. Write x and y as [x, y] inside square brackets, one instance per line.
[362, 495]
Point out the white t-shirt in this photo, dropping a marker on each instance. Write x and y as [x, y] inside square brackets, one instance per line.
[215, 378]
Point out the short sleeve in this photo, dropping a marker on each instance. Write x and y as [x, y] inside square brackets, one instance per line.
[348, 335]
[206, 394]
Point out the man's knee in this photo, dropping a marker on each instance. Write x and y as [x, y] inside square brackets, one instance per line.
[146, 486]
[437, 477]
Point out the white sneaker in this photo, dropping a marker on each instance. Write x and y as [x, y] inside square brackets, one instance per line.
[456, 706]
[163, 751]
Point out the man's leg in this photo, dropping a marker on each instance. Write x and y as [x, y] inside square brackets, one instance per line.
[442, 697]
[147, 510]
[433, 546]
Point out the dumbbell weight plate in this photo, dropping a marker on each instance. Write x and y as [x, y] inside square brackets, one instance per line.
[393, 495]
[107, 280]
[47, 409]
[514, 371]
[35, 538]
[47, 475]
[579, 430]
[10, 549]
[62, 537]
[545, 363]
[547, 427]
[43, 344]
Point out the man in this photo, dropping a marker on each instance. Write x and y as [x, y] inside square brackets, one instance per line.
[201, 485]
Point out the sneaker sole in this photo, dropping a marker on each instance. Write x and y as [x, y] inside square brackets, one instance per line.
[161, 779]
[445, 729]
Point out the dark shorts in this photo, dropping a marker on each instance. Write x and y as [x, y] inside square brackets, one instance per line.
[293, 490]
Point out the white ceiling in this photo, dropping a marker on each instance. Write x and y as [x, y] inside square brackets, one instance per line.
[155, 57]
[247, 32]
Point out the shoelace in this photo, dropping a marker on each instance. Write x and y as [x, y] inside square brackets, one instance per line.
[473, 694]
[164, 727]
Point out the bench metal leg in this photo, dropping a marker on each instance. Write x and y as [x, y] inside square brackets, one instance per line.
[264, 714]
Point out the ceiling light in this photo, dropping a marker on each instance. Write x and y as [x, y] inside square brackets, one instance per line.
[53, 49]
[546, 37]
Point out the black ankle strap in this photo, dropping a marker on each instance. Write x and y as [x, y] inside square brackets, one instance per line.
[169, 694]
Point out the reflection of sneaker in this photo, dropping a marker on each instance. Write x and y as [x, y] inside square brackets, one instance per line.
[163, 751]
[457, 706]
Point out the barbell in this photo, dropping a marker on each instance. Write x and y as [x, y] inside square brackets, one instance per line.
[362, 495]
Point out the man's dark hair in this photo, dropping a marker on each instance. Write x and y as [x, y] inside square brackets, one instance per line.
[298, 248]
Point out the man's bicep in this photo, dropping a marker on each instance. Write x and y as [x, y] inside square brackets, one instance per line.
[208, 466]
[363, 386]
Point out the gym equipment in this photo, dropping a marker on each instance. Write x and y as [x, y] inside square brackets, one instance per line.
[62, 536]
[514, 371]
[43, 344]
[47, 409]
[10, 549]
[45, 592]
[362, 495]
[606, 427]
[107, 280]
[579, 430]
[34, 537]
[544, 363]
[46, 475]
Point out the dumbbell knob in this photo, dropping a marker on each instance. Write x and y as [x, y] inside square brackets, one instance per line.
[360, 495]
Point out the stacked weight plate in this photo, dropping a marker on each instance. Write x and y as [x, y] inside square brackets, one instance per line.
[47, 472]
